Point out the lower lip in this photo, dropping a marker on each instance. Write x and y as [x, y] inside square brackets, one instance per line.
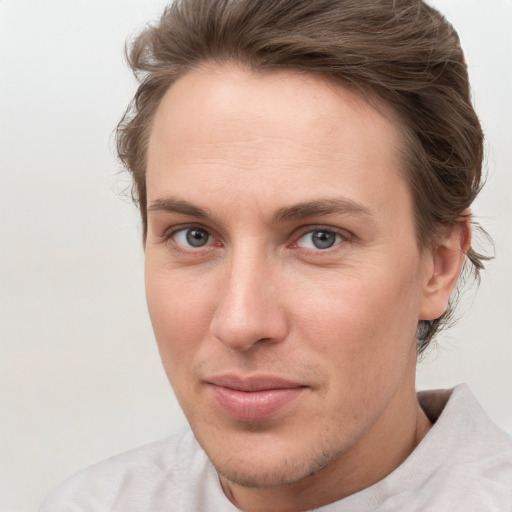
[253, 405]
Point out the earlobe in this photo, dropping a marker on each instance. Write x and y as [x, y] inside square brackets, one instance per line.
[447, 259]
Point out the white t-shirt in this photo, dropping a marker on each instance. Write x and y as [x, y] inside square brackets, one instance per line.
[463, 464]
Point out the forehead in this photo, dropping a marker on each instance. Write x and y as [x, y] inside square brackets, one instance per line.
[226, 126]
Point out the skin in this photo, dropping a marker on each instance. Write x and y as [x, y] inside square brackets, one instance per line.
[231, 153]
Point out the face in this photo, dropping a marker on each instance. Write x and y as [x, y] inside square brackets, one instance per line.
[284, 281]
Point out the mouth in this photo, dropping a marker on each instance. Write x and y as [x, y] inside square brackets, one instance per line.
[253, 398]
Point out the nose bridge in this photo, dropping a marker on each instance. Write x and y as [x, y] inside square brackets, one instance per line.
[248, 310]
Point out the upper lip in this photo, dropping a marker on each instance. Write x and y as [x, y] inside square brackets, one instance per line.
[252, 383]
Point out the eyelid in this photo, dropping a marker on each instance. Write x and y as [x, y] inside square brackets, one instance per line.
[345, 235]
[170, 233]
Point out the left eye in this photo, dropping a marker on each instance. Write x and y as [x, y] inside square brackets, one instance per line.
[192, 237]
[319, 239]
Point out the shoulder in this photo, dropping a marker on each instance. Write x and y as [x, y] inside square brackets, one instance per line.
[132, 481]
[468, 456]
[461, 423]
[464, 463]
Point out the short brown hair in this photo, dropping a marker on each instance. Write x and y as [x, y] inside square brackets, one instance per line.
[401, 51]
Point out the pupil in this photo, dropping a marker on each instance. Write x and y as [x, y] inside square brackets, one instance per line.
[197, 237]
[323, 239]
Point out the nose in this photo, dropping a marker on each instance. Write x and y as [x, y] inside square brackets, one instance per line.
[249, 310]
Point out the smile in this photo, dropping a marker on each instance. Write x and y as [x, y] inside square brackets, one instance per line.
[254, 399]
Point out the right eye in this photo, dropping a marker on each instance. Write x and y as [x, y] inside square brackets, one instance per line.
[192, 237]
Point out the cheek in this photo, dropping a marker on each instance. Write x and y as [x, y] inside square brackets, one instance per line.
[359, 336]
[362, 321]
[180, 317]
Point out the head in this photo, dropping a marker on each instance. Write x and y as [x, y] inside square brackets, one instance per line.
[402, 53]
[304, 172]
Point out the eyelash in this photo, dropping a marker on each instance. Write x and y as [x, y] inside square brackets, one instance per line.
[342, 235]
[171, 234]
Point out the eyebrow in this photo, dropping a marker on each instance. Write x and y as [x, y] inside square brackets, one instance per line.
[172, 205]
[319, 207]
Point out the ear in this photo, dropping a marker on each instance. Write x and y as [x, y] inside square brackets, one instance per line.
[443, 266]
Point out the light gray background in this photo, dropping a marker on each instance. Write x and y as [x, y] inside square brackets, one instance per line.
[80, 377]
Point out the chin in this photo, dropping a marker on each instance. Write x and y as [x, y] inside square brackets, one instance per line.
[266, 467]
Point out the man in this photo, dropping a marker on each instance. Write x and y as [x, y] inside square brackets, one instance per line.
[304, 171]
